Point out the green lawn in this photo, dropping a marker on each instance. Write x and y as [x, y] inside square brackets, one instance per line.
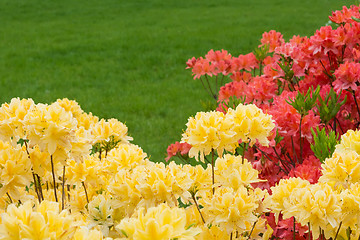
[126, 59]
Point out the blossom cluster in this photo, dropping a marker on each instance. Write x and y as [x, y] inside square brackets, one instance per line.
[310, 88]
[65, 174]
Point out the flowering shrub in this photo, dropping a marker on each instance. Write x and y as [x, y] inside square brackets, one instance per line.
[309, 87]
[278, 159]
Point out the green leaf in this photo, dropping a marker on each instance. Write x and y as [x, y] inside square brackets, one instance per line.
[329, 106]
[324, 144]
[304, 103]
[22, 141]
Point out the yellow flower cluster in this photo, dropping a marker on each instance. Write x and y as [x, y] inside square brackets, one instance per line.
[215, 131]
[65, 174]
[332, 206]
[161, 222]
[44, 221]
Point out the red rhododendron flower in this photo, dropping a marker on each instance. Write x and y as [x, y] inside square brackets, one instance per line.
[345, 15]
[237, 89]
[177, 147]
[246, 62]
[202, 67]
[347, 76]
[273, 39]
[216, 56]
[309, 170]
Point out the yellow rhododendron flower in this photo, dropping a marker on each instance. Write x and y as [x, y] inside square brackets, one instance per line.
[349, 141]
[251, 124]
[230, 172]
[84, 233]
[213, 233]
[125, 156]
[100, 213]
[342, 168]
[318, 205]
[11, 119]
[230, 209]
[14, 170]
[158, 223]
[44, 221]
[209, 131]
[281, 194]
[103, 130]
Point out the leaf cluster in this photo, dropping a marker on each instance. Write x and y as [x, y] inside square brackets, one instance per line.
[104, 146]
[324, 144]
[303, 103]
[329, 106]
[262, 52]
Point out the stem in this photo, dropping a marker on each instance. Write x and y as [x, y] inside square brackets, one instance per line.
[197, 206]
[294, 237]
[337, 232]
[300, 161]
[213, 171]
[87, 198]
[53, 175]
[294, 152]
[216, 83]
[207, 90]
[63, 189]
[252, 229]
[342, 131]
[214, 95]
[68, 190]
[281, 160]
[40, 187]
[244, 150]
[36, 187]
[11, 201]
[357, 106]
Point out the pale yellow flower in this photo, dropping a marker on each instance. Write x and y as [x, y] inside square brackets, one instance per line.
[209, 131]
[342, 168]
[251, 124]
[103, 130]
[349, 141]
[84, 233]
[11, 119]
[230, 209]
[158, 223]
[100, 213]
[44, 221]
[230, 172]
[213, 233]
[281, 194]
[125, 156]
[70, 106]
[15, 170]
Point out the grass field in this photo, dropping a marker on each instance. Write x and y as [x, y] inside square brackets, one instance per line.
[126, 59]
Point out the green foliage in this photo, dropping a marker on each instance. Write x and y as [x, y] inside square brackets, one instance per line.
[104, 146]
[324, 144]
[261, 52]
[22, 141]
[304, 103]
[330, 106]
[233, 102]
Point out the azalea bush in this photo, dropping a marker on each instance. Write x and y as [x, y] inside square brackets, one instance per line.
[278, 159]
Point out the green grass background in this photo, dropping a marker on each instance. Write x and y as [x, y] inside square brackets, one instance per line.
[126, 59]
